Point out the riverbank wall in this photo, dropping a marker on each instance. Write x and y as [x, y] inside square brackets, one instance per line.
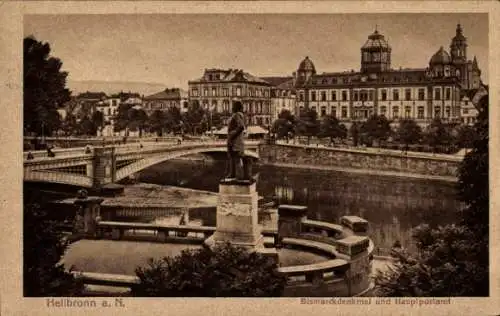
[366, 161]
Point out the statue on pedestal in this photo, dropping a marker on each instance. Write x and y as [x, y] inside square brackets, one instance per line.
[236, 147]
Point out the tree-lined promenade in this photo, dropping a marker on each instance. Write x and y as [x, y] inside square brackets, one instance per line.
[438, 137]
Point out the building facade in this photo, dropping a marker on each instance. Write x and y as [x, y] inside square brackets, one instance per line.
[166, 99]
[283, 96]
[422, 94]
[218, 88]
[439, 89]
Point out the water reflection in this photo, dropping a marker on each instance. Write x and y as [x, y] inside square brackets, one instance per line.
[392, 205]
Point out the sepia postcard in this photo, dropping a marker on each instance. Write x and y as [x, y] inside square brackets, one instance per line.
[249, 157]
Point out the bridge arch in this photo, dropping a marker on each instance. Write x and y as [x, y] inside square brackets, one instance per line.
[111, 164]
[146, 162]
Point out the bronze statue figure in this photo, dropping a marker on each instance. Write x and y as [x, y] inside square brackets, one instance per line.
[236, 145]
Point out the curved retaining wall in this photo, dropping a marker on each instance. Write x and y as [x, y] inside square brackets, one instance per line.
[346, 273]
[442, 167]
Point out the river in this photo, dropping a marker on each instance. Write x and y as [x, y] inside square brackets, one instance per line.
[392, 205]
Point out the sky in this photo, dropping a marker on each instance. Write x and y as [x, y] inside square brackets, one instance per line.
[171, 49]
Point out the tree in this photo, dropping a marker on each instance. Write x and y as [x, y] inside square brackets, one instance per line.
[44, 88]
[409, 132]
[284, 126]
[222, 272]
[466, 136]
[98, 121]
[157, 122]
[330, 127]
[342, 131]
[376, 127]
[452, 260]
[87, 127]
[473, 173]
[137, 120]
[218, 120]
[354, 131]
[308, 124]
[194, 119]
[173, 117]
[43, 248]
[287, 115]
[69, 125]
[437, 134]
[122, 120]
[447, 264]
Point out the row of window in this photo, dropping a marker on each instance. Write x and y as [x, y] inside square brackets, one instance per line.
[369, 95]
[281, 93]
[376, 57]
[364, 113]
[352, 79]
[235, 91]
[259, 107]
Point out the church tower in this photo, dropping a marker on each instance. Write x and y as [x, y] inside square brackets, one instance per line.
[458, 52]
[458, 47]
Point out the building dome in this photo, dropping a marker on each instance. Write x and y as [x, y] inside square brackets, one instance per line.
[376, 40]
[440, 57]
[307, 66]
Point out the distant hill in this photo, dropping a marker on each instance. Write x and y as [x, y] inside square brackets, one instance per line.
[110, 87]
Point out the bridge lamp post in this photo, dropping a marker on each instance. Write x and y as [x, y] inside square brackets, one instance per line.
[43, 132]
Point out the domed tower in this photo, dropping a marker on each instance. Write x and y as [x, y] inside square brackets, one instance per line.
[375, 54]
[458, 47]
[305, 71]
[440, 64]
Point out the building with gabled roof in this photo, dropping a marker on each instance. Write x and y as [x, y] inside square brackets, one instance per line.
[165, 99]
[217, 88]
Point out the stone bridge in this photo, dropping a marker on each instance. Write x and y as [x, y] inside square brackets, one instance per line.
[98, 166]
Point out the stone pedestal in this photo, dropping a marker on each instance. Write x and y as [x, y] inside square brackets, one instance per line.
[237, 217]
[290, 220]
[88, 215]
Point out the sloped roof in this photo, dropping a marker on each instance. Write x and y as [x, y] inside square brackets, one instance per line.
[240, 75]
[392, 76]
[168, 94]
[232, 75]
[125, 95]
[276, 81]
[92, 95]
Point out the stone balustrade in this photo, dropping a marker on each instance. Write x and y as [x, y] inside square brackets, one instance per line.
[118, 229]
[428, 166]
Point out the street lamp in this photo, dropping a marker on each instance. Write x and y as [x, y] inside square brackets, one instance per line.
[43, 132]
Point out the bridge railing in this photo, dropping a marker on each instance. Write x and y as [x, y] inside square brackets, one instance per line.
[127, 148]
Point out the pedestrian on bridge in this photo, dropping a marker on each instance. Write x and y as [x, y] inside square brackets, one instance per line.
[50, 153]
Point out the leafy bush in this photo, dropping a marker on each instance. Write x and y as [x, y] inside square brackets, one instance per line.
[222, 272]
[452, 260]
[44, 246]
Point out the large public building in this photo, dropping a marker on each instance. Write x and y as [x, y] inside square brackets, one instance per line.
[440, 89]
